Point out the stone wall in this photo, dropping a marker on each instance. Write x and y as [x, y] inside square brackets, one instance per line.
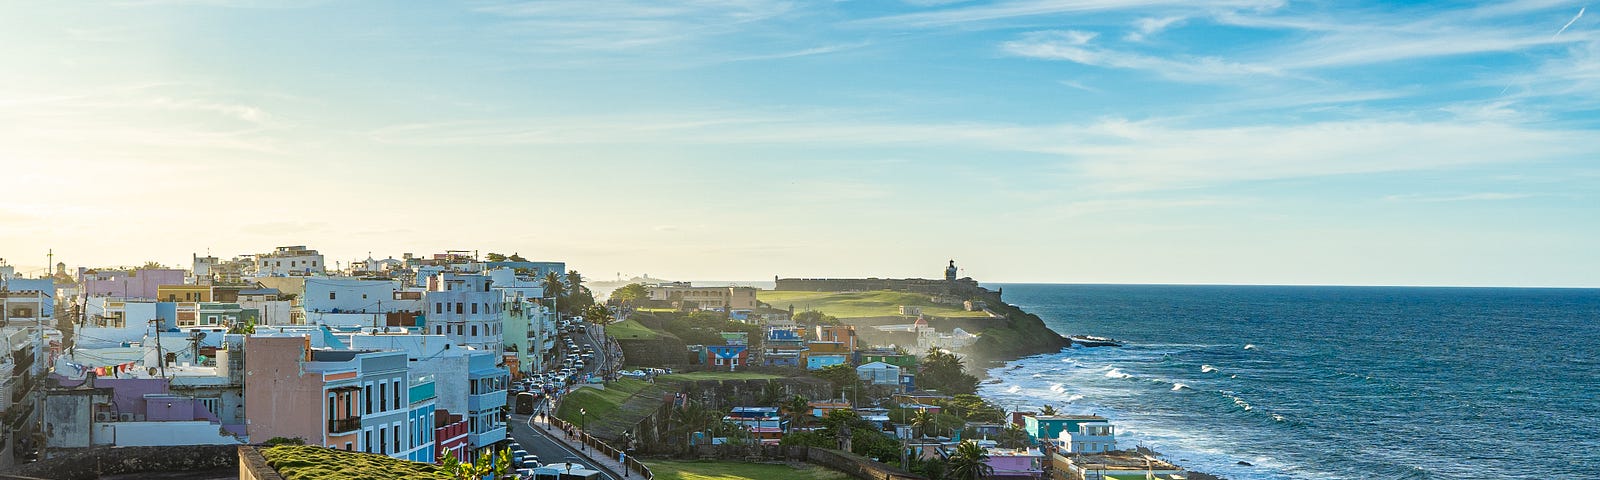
[253, 465]
[964, 286]
[92, 463]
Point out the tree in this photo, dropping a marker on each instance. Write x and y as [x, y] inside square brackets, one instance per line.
[946, 372]
[492, 467]
[598, 313]
[797, 409]
[1048, 411]
[495, 257]
[151, 265]
[1013, 437]
[920, 422]
[969, 462]
[813, 317]
[629, 295]
[553, 288]
[516, 258]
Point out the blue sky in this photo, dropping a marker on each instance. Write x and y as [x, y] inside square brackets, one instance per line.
[1230, 141]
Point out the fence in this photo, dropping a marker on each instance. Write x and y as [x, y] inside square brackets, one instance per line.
[602, 448]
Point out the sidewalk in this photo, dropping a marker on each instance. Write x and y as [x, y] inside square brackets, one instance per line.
[598, 455]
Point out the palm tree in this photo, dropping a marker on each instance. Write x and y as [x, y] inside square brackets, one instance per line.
[920, 421]
[969, 462]
[798, 410]
[1048, 411]
[552, 285]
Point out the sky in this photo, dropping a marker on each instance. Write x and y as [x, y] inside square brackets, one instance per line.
[1074, 141]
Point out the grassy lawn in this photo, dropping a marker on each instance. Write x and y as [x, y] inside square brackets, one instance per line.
[691, 376]
[860, 304]
[630, 329]
[674, 470]
[599, 403]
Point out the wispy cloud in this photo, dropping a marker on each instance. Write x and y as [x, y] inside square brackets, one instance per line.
[1034, 8]
[1073, 46]
[1471, 197]
[1145, 27]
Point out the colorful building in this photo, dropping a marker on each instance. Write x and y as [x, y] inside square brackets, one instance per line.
[727, 357]
[347, 399]
[183, 293]
[1046, 428]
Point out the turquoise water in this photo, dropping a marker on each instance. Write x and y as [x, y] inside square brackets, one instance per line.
[1328, 382]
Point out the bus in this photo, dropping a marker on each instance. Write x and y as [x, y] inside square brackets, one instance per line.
[526, 402]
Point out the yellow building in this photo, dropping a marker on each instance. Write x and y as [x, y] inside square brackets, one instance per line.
[183, 293]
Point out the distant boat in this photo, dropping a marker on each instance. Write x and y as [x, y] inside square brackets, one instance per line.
[1093, 341]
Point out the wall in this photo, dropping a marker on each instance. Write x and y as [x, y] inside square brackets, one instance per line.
[155, 434]
[283, 400]
[91, 464]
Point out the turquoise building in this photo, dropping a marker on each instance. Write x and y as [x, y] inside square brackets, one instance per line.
[1043, 428]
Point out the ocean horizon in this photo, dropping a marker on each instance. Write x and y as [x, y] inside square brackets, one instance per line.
[1327, 381]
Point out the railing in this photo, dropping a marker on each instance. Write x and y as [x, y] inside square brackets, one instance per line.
[602, 448]
[343, 425]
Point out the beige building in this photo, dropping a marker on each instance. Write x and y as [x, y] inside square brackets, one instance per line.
[707, 297]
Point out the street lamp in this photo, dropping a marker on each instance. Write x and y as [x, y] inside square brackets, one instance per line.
[583, 424]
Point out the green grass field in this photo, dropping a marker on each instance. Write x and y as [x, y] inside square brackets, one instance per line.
[859, 304]
[705, 470]
[630, 329]
[692, 376]
[599, 403]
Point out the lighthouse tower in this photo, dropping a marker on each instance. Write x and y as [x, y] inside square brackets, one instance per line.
[950, 272]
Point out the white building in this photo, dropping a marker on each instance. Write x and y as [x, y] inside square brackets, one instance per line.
[1093, 437]
[294, 260]
[464, 308]
[879, 373]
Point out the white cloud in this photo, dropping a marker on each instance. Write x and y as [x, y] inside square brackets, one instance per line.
[1073, 46]
[1486, 196]
[1032, 8]
[1145, 27]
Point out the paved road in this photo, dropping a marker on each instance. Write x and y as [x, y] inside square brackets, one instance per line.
[535, 440]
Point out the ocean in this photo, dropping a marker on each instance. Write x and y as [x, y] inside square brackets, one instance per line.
[1327, 382]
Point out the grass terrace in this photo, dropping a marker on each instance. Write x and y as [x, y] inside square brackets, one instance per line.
[707, 470]
[305, 462]
[860, 304]
[631, 329]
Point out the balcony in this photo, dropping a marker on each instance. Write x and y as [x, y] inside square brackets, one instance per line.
[487, 438]
[493, 399]
[339, 426]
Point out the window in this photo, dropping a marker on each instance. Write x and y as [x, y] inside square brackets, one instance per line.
[333, 407]
[291, 263]
[347, 446]
[369, 399]
[458, 308]
[396, 394]
[383, 396]
[368, 447]
[474, 330]
[438, 307]
[313, 263]
[438, 329]
[396, 430]
[332, 295]
[383, 441]
[474, 309]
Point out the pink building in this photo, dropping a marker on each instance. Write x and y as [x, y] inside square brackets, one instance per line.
[1016, 464]
[345, 399]
[138, 284]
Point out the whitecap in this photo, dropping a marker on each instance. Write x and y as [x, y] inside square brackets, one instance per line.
[1074, 398]
[1114, 373]
[1207, 369]
[1251, 346]
[1058, 388]
[1013, 389]
[1179, 386]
